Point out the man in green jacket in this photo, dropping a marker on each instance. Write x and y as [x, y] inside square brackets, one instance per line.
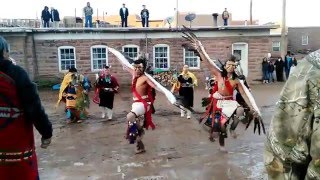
[292, 149]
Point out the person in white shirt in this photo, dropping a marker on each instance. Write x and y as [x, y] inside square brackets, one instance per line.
[55, 18]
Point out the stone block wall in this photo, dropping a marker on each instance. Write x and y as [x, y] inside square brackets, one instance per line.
[41, 59]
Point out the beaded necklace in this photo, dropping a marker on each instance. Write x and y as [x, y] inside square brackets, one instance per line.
[107, 78]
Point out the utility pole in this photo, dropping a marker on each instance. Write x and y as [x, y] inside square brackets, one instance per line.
[97, 14]
[75, 17]
[35, 22]
[250, 12]
[283, 44]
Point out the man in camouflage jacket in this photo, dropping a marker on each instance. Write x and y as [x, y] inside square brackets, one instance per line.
[292, 148]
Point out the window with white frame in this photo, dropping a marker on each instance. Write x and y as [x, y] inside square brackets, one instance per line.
[99, 57]
[161, 56]
[305, 40]
[67, 57]
[131, 50]
[191, 59]
[276, 46]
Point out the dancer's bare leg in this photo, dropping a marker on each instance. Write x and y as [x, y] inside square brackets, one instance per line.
[211, 136]
[213, 133]
[140, 146]
[221, 139]
[131, 117]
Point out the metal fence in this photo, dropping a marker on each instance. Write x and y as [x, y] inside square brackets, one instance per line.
[33, 23]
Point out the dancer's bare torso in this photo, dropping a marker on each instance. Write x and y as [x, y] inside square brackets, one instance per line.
[142, 85]
[222, 89]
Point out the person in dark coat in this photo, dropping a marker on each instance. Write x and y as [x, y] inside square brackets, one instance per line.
[279, 69]
[144, 16]
[187, 81]
[108, 86]
[45, 16]
[265, 72]
[124, 13]
[20, 110]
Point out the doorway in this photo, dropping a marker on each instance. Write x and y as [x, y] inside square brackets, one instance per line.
[240, 50]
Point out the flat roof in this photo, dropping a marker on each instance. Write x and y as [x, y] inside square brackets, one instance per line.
[135, 29]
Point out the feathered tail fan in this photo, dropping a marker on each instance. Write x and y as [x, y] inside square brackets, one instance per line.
[188, 47]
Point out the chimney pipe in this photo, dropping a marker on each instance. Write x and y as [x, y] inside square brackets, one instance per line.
[215, 19]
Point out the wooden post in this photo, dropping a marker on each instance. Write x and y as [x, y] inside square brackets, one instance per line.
[283, 44]
[97, 14]
[75, 17]
[177, 14]
[250, 12]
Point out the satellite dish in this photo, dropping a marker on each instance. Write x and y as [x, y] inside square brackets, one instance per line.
[169, 21]
[190, 17]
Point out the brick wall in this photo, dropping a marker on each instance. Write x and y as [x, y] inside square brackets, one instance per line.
[295, 38]
[21, 51]
[275, 54]
[218, 48]
[42, 60]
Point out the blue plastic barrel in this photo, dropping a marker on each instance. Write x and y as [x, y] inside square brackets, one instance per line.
[56, 87]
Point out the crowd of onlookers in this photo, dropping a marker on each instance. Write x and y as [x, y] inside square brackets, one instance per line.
[276, 70]
[53, 16]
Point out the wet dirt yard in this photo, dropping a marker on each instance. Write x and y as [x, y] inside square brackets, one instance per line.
[177, 149]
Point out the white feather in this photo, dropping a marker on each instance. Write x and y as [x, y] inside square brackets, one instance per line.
[212, 62]
[121, 58]
[250, 97]
[162, 89]
[239, 72]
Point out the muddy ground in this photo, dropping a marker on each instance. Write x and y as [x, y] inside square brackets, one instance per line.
[177, 149]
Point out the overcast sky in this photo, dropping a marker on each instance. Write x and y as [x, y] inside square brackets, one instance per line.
[299, 13]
